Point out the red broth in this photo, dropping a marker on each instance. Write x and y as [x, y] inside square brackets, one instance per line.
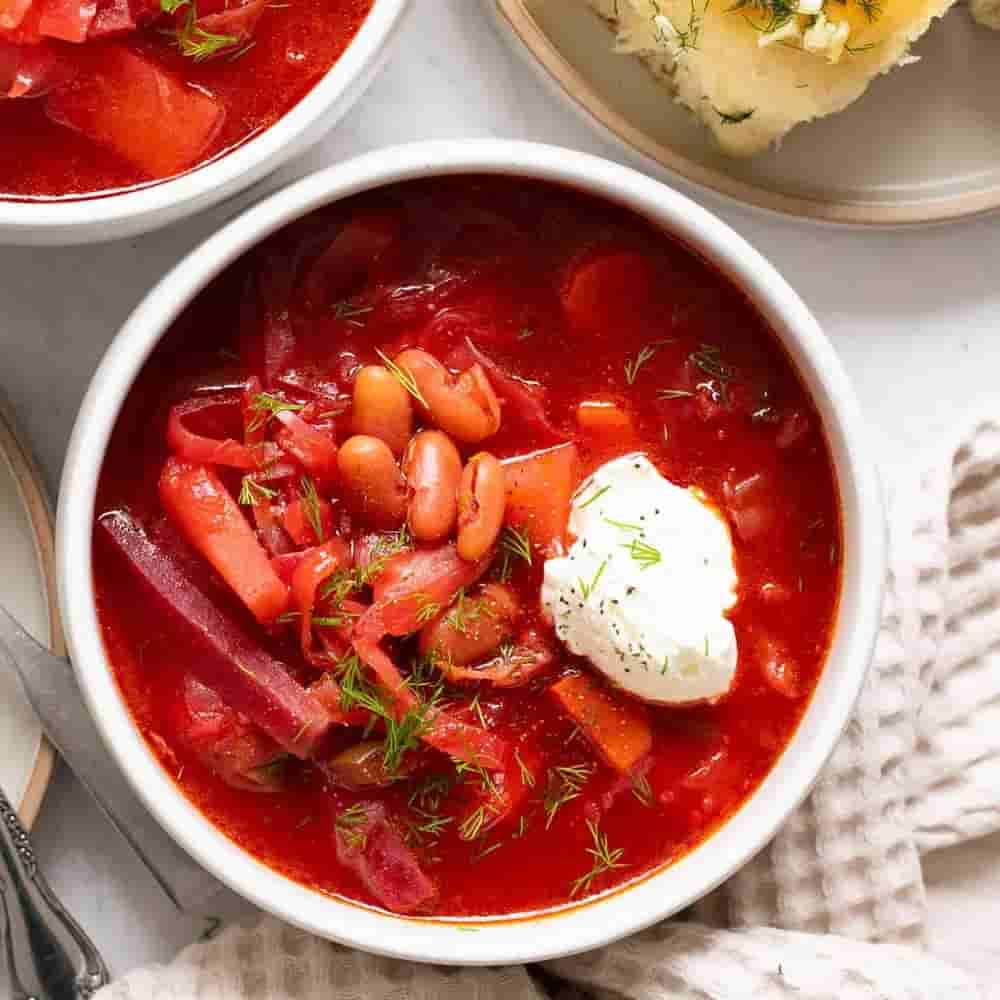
[253, 84]
[496, 260]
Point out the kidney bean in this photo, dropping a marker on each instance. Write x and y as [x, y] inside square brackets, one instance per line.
[463, 406]
[433, 469]
[473, 628]
[382, 408]
[371, 482]
[482, 500]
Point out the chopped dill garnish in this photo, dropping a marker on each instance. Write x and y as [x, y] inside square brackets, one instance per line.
[172, 6]
[522, 826]
[516, 543]
[487, 851]
[605, 860]
[431, 824]
[525, 332]
[404, 734]
[643, 553]
[597, 496]
[674, 394]
[404, 378]
[311, 507]
[527, 778]
[349, 313]
[642, 790]
[586, 589]
[624, 525]
[426, 609]
[431, 791]
[193, 41]
[264, 406]
[708, 359]
[474, 825]
[478, 709]
[733, 117]
[563, 785]
[253, 492]
[634, 365]
[349, 823]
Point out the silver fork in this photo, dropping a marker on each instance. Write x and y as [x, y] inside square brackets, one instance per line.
[49, 957]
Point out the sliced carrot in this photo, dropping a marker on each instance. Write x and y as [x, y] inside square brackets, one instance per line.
[603, 417]
[617, 727]
[197, 501]
[539, 489]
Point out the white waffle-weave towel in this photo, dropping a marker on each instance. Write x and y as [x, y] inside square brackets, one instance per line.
[834, 907]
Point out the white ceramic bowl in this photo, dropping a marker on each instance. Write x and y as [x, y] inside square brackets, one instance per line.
[63, 222]
[621, 912]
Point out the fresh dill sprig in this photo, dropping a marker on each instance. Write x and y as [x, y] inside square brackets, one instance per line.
[643, 553]
[516, 543]
[349, 824]
[597, 496]
[311, 507]
[708, 359]
[252, 492]
[563, 784]
[527, 778]
[193, 41]
[605, 860]
[404, 378]
[646, 354]
[586, 589]
[264, 406]
[349, 312]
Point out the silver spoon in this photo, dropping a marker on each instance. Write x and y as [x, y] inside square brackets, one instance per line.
[49, 957]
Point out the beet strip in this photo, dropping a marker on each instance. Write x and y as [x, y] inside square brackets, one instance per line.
[244, 676]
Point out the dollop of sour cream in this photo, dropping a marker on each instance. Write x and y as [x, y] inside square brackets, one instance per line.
[643, 591]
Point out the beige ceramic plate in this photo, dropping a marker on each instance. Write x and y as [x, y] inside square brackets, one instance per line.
[27, 590]
[922, 145]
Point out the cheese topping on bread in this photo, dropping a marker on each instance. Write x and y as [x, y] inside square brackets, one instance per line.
[753, 69]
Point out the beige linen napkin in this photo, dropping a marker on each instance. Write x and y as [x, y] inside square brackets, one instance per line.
[835, 906]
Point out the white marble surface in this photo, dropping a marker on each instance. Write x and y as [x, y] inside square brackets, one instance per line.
[913, 314]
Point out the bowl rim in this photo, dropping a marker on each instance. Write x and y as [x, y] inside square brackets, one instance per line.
[620, 912]
[102, 216]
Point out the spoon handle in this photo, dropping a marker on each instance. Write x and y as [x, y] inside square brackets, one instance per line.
[49, 957]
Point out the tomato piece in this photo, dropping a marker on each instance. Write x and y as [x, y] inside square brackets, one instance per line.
[315, 450]
[617, 727]
[539, 491]
[114, 17]
[299, 521]
[237, 23]
[197, 501]
[68, 20]
[607, 290]
[12, 13]
[123, 101]
[194, 447]
[317, 565]
[421, 578]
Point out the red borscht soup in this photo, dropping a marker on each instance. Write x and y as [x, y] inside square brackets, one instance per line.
[100, 95]
[468, 547]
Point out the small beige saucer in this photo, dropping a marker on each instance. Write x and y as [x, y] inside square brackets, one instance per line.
[28, 591]
[922, 145]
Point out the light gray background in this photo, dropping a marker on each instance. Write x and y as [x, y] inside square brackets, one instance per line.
[913, 315]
